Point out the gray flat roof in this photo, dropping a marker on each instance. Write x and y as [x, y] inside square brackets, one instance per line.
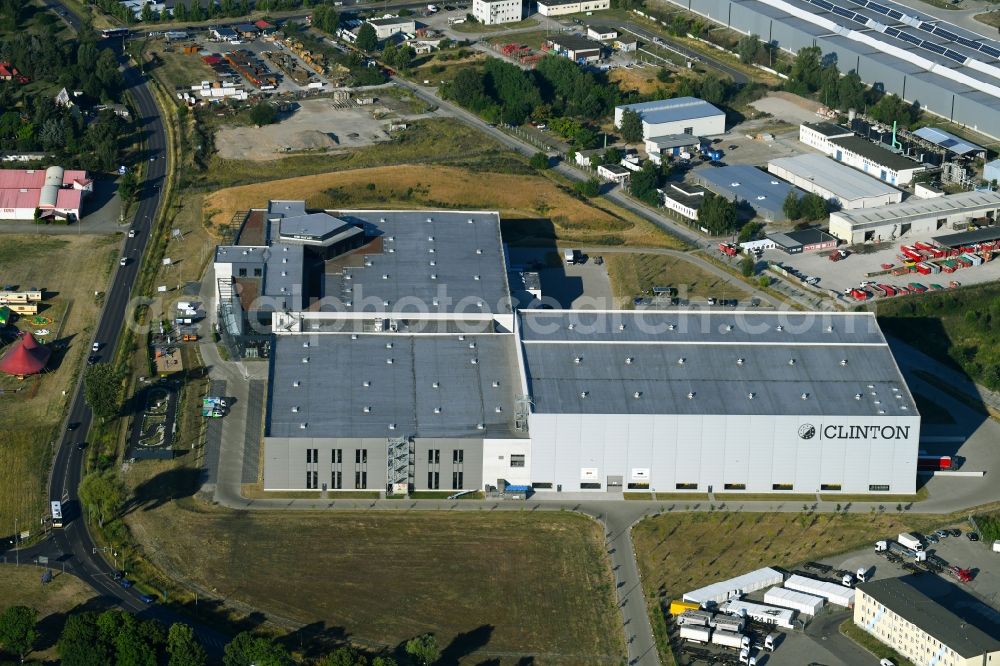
[575, 43]
[579, 363]
[829, 129]
[799, 237]
[846, 183]
[674, 140]
[933, 616]
[394, 20]
[453, 258]
[983, 235]
[914, 209]
[691, 196]
[316, 228]
[876, 154]
[670, 110]
[758, 188]
[331, 397]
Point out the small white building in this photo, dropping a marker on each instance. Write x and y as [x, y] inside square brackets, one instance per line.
[818, 135]
[562, 7]
[683, 199]
[393, 25]
[493, 12]
[681, 115]
[582, 157]
[602, 33]
[806, 604]
[877, 162]
[613, 173]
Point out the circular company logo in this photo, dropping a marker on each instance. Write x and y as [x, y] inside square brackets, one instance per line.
[807, 431]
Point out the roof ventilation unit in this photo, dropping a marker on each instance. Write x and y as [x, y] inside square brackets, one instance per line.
[434, 276]
[392, 426]
[381, 220]
[479, 250]
[392, 250]
[366, 384]
[805, 396]
[388, 345]
[472, 345]
[429, 219]
[857, 396]
[388, 361]
[843, 361]
[354, 336]
[740, 361]
[284, 273]
[480, 426]
[578, 360]
[436, 385]
[296, 384]
[305, 345]
[729, 327]
[681, 360]
[691, 395]
[475, 277]
[461, 337]
[779, 327]
[368, 262]
[305, 359]
[584, 394]
[302, 426]
[295, 409]
[498, 409]
[437, 410]
[434, 301]
[469, 220]
[637, 395]
[670, 327]
[829, 329]
[750, 396]
[496, 384]
[474, 361]
[791, 361]
[621, 327]
[366, 409]
[628, 360]
[430, 239]
[433, 263]
[571, 326]
[385, 276]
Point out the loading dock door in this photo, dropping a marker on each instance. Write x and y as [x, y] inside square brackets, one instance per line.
[614, 484]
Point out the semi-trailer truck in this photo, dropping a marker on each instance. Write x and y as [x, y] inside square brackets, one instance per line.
[910, 541]
[727, 638]
[696, 634]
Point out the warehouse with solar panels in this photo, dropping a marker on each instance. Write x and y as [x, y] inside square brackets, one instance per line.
[399, 364]
[949, 71]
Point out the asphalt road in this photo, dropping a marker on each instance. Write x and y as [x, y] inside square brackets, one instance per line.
[72, 546]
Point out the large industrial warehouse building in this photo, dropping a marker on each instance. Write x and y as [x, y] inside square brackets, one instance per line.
[681, 115]
[410, 371]
[948, 70]
[53, 192]
[916, 219]
[835, 182]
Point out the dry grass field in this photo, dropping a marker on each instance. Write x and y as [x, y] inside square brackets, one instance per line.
[69, 269]
[534, 208]
[642, 80]
[501, 584]
[635, 274]
[683, 551]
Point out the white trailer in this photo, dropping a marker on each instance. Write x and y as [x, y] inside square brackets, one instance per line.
[910, 541]
[833, 593]
[696, 634]
[735, 587]
[695, 618]
[732, 623]
[569, 256]
[727, 638]
[806, 604]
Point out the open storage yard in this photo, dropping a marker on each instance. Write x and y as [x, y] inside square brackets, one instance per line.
[685, 551]
[534, 209]
[68, 268]
[503, 585]
[316, 125]
[636, 275]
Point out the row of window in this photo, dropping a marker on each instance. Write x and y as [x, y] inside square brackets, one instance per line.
[336, 469]
[434, 456]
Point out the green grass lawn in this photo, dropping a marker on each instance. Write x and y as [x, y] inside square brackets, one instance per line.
[955, 326]
[478, 28]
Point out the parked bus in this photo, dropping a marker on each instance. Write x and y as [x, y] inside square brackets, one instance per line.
[108, 33]
[57, 519]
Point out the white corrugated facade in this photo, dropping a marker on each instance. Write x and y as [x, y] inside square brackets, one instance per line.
[807, 604]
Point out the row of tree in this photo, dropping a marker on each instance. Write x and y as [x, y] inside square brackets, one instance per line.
[809, 206]
[198, 10]
[117, 638]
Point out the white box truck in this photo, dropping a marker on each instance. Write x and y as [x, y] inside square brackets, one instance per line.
[569, 256]
[910, 541]
[996, 546]
[727, 638]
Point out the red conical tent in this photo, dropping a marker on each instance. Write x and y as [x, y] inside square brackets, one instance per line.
[25, 357]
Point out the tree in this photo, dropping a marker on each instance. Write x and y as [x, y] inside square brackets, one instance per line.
[612, 155]
[717, 214]
[367, 39]
[344, 656]
[539, 161]
[80, 642]
[643, 184]
[404, 56]
[183, 648]
[246, 649]
[17, 630]
[102, 388]
[892, 108]
[588, 188]
[850, 91]
[712, 89]
[128, 188]
[103, 495]
[424, 649]
[663, 75]
[804, 75]
[748, 266]
[813, 206]
[747, 48]
[791, 207]
[749, 232]
[383, 661]
[263, 114]
[631, 126]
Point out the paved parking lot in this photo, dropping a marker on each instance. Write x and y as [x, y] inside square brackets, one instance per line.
[580, 286]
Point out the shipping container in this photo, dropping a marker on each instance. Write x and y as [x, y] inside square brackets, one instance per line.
[923, 269]
[888, 289]
[974, 259]
[677, 607]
